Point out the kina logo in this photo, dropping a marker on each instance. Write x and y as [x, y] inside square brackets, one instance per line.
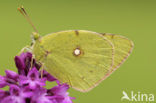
[137, 96]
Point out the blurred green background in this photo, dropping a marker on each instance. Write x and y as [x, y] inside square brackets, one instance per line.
[135, 19]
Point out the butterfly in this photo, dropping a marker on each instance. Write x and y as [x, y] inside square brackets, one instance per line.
[80, 58]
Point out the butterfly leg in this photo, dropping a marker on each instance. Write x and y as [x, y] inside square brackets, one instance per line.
[26, 48]
[32, 61]
[41, 70]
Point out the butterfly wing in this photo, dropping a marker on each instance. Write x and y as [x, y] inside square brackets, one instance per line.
[122, 48]
[82, 59]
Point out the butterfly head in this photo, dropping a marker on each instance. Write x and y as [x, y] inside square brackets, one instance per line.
[35, 36]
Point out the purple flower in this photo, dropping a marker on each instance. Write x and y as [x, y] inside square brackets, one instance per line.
[28, 85]
[47, 76]
[32, 79]
[11, 75]
[10, 78]
[17, 95]
[40, 96]
[3, 94]
[3, 82]
[61, 90]
[24, 62]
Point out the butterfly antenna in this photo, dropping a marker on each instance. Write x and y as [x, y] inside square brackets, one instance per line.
[24, 13]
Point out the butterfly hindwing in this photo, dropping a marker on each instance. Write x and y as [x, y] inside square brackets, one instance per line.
[122, 48]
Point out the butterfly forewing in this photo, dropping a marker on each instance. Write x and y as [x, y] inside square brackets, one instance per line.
[82, 59]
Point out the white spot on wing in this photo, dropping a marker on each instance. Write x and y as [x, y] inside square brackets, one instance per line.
[77, 52]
